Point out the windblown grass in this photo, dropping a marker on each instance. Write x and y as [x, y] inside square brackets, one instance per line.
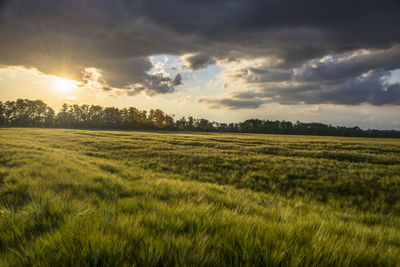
[109, 198]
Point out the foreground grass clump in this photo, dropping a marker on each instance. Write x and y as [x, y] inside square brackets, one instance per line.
[70, 197]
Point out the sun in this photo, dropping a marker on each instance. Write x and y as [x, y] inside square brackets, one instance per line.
[63, 86]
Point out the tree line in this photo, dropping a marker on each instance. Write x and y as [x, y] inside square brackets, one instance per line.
[36, 113]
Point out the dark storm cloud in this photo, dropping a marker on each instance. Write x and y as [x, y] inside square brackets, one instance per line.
[332, 68]
[177, 80]
[66, 37]
[198, 61]
[350, 78]
[338, 68]
[156, 85]
[367, 88]
[232, 103]
[115, 36]
[260, 75]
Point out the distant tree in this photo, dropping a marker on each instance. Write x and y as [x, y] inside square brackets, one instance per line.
[160, 120]
[112, 117]
[190, 123]
[2, 114]
[181, 124]
[252, 125]
[63, 118]
[36, 113]
[24, 112]
[95, 116]
[204, 125]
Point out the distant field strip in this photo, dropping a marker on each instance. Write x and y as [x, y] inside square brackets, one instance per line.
[123, 198]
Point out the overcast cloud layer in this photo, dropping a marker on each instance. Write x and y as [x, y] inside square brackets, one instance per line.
[314, 52]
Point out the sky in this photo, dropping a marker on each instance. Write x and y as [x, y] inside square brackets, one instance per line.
[336, 62]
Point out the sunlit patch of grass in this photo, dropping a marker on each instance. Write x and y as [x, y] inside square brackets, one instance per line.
[70, 197]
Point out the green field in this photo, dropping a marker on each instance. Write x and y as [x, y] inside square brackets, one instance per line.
[121, 198]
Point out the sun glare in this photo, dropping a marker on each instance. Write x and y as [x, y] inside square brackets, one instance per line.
[63, 86]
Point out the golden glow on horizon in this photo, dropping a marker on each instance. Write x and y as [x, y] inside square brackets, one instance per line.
[63, 86]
